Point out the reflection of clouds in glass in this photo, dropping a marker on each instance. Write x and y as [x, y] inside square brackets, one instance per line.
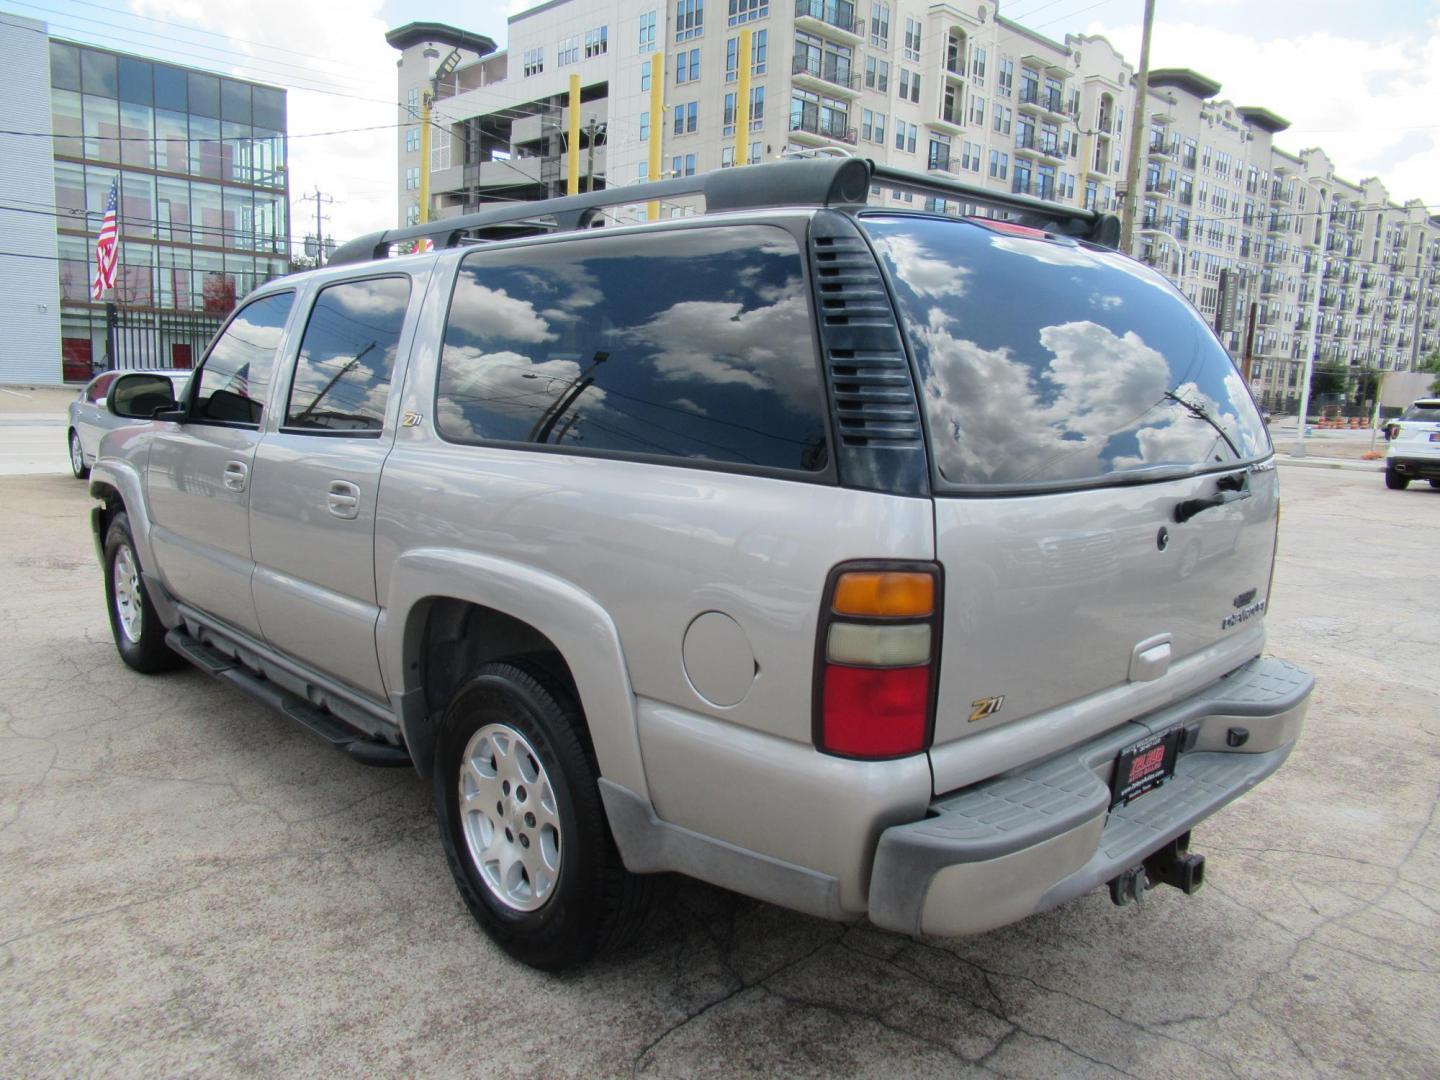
[494, 313]
[1050, 252]
[511, 384]
[1107, 303]
[720, 342]
[1003, 422]
[384, 298]
[920, 268]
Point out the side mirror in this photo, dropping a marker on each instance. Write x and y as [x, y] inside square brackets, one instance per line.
[141, 395]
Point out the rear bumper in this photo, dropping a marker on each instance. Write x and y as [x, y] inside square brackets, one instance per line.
[1025, 842]
[1425, 468]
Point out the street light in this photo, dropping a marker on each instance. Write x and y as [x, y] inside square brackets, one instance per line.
[1178, 247]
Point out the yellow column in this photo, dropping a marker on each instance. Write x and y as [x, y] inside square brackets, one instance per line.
[572, 178]
[424, 157]
[657, 123]
[742, 101]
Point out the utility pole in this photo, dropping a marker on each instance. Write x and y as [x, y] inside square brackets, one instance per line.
[1299, 450]
[326, 200]
[1139, 129]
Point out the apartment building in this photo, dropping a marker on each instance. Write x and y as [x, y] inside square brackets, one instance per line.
[956, 90]
[1325, 265]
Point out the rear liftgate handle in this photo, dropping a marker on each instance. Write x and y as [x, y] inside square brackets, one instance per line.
[1228, 489]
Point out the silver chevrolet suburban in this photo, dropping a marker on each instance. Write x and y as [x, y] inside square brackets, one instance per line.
[901, 565]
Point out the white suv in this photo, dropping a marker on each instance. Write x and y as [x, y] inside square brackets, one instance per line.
[1414, 452]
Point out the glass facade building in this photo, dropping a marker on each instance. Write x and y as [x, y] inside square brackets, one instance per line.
[203, 202]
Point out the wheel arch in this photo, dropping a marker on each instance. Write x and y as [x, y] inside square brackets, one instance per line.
[448, 611]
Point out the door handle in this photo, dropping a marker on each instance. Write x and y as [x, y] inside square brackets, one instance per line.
[237, 473]
[343, 499]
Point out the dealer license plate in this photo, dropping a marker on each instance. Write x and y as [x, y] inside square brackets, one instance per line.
[1144, 766]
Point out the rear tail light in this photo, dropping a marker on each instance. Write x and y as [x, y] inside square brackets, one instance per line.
[877, 651]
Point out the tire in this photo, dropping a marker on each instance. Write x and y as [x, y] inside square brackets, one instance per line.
[77, 457]
[139, 634]
[560, 895]
[1395, 482]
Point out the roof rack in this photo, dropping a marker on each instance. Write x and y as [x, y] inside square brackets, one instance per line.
[833, 182]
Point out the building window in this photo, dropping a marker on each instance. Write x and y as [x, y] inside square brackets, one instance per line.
[687, 118]
[687, 66]
[534, 61]
[682, 166]
[877, 74]
[880, 25]
[412, 214]
[970, 157]
[728, 126]
[597, 41]
[909, 85]
[647, 31]
[1007, 77]
[977, 63]
[645, 77]
[412, 140]
[732, 59]
[743, 11]
[412, 102]
[727, 157]
[939, 153]
[689, 19]
[645, 126]
[759, 51]
[977, 109]
[912, 39]
[754, 158]
[568, 51]
[757, 108]
[412, 178]
[999, 164]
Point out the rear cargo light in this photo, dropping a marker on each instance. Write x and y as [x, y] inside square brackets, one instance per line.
[877, 650]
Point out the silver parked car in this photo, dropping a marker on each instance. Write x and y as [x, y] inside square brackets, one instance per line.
[91, 416]
[873, 563]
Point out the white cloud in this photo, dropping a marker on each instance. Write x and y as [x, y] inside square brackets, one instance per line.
[1368, 103]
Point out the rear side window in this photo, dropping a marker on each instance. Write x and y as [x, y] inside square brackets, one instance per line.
[1044, 363]
[695, 345]
[234, 384]
[1423, 410]
[342, 376]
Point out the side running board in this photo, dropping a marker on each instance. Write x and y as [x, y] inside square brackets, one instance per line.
[336, 733]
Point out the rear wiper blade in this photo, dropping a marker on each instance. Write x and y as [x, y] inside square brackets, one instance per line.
[1201, 413]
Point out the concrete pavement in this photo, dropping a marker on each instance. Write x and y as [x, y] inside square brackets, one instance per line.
[192, 885]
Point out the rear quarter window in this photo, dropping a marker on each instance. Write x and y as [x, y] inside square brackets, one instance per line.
[693, 345]
[1045, 362]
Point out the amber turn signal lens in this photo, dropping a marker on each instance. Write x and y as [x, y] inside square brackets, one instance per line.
[885, 593]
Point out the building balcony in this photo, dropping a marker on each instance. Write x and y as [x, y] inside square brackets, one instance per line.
[942, 164]
[1106, 124]
[1019, 186]
[951, 120]
[834, 20]
[955, 70]
[812, 72]
[1159, 187]
[811, 129]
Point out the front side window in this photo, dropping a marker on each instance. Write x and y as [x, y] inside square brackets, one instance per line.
[1045, 362]
[234, 384]
[695, 345]
[342, 376]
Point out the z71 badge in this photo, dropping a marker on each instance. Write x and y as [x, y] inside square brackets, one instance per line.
[986, 706]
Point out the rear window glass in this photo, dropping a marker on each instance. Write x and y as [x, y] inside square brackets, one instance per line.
[695, 344]
[1428, 410]
[1043, 362]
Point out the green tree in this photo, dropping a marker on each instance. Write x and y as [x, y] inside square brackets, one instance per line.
[1431, 364]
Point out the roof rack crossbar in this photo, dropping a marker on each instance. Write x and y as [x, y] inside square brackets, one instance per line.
[835, 182]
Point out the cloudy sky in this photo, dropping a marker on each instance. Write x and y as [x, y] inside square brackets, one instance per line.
[1360, 80]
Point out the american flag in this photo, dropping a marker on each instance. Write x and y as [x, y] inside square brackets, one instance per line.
[106, 249]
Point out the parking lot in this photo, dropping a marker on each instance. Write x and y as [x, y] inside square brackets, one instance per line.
[191, 885]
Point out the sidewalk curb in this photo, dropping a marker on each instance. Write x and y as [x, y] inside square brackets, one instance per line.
[1331, 463]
